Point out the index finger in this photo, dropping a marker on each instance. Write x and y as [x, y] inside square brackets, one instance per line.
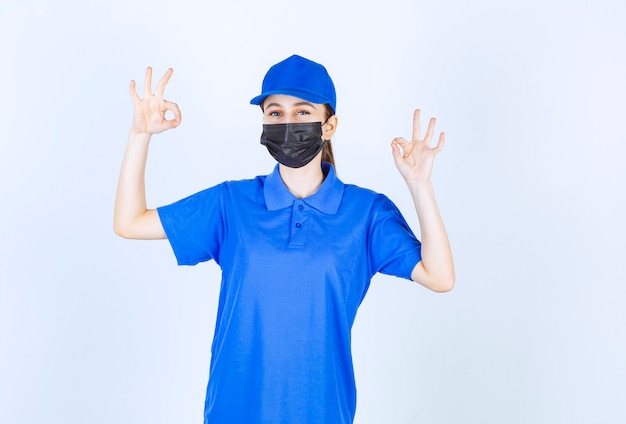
[160, 88]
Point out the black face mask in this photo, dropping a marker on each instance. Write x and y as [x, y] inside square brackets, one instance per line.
[293, 145]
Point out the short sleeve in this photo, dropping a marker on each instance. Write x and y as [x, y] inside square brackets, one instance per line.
[195, 226]
[394, 249]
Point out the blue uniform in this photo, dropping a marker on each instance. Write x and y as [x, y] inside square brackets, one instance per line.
[294, 272]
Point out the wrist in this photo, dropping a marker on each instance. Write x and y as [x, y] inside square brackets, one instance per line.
[139, 136]
[421, 189]
[419, 185]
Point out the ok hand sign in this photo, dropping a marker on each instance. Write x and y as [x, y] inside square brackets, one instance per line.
[415, 159]
[149, 112]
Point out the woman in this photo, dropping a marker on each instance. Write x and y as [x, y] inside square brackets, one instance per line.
[297, 249]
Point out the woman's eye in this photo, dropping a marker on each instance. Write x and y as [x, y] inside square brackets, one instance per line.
[274, 113]
[303, 112]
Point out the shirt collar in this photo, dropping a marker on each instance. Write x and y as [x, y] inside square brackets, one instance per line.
[327, 199]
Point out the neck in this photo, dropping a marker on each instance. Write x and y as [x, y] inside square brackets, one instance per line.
[303, 182]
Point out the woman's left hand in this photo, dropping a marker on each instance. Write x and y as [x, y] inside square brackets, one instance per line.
[415, 159]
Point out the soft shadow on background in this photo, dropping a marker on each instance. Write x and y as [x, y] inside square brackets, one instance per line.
[531, 183]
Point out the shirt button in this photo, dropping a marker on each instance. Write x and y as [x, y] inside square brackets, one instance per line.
[298, 225]
[300, 207]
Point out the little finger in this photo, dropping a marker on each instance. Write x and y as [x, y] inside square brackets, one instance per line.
[133, 91]
[440, 142]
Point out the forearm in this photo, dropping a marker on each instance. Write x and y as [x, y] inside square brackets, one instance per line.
[131, 216]
[436, 269]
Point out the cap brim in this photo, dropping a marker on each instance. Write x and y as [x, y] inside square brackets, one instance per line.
[304, 95]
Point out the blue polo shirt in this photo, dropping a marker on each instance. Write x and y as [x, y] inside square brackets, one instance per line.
[294, 272]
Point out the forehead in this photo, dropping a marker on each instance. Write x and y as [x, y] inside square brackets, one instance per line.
[283, 100]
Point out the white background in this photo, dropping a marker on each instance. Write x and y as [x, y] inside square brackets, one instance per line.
[531, 183]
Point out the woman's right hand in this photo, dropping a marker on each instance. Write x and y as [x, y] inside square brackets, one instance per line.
[149, 112]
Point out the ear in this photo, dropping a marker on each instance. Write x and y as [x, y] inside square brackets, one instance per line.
[329, 127]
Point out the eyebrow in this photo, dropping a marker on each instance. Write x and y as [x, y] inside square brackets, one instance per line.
[295, 104]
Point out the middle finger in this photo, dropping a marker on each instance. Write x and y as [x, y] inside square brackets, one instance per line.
[160, 88]
[416, 125]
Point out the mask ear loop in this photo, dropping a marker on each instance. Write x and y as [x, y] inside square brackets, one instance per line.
[324, 123]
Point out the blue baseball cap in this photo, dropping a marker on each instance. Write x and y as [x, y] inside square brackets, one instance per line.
[298, 77]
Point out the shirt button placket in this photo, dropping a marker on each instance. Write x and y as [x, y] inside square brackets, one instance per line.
[298, 224]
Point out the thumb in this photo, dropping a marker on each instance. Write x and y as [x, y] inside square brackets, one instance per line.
[400, 147]
[171, 123]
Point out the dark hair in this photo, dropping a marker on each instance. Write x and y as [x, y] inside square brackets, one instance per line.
[327, 150]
